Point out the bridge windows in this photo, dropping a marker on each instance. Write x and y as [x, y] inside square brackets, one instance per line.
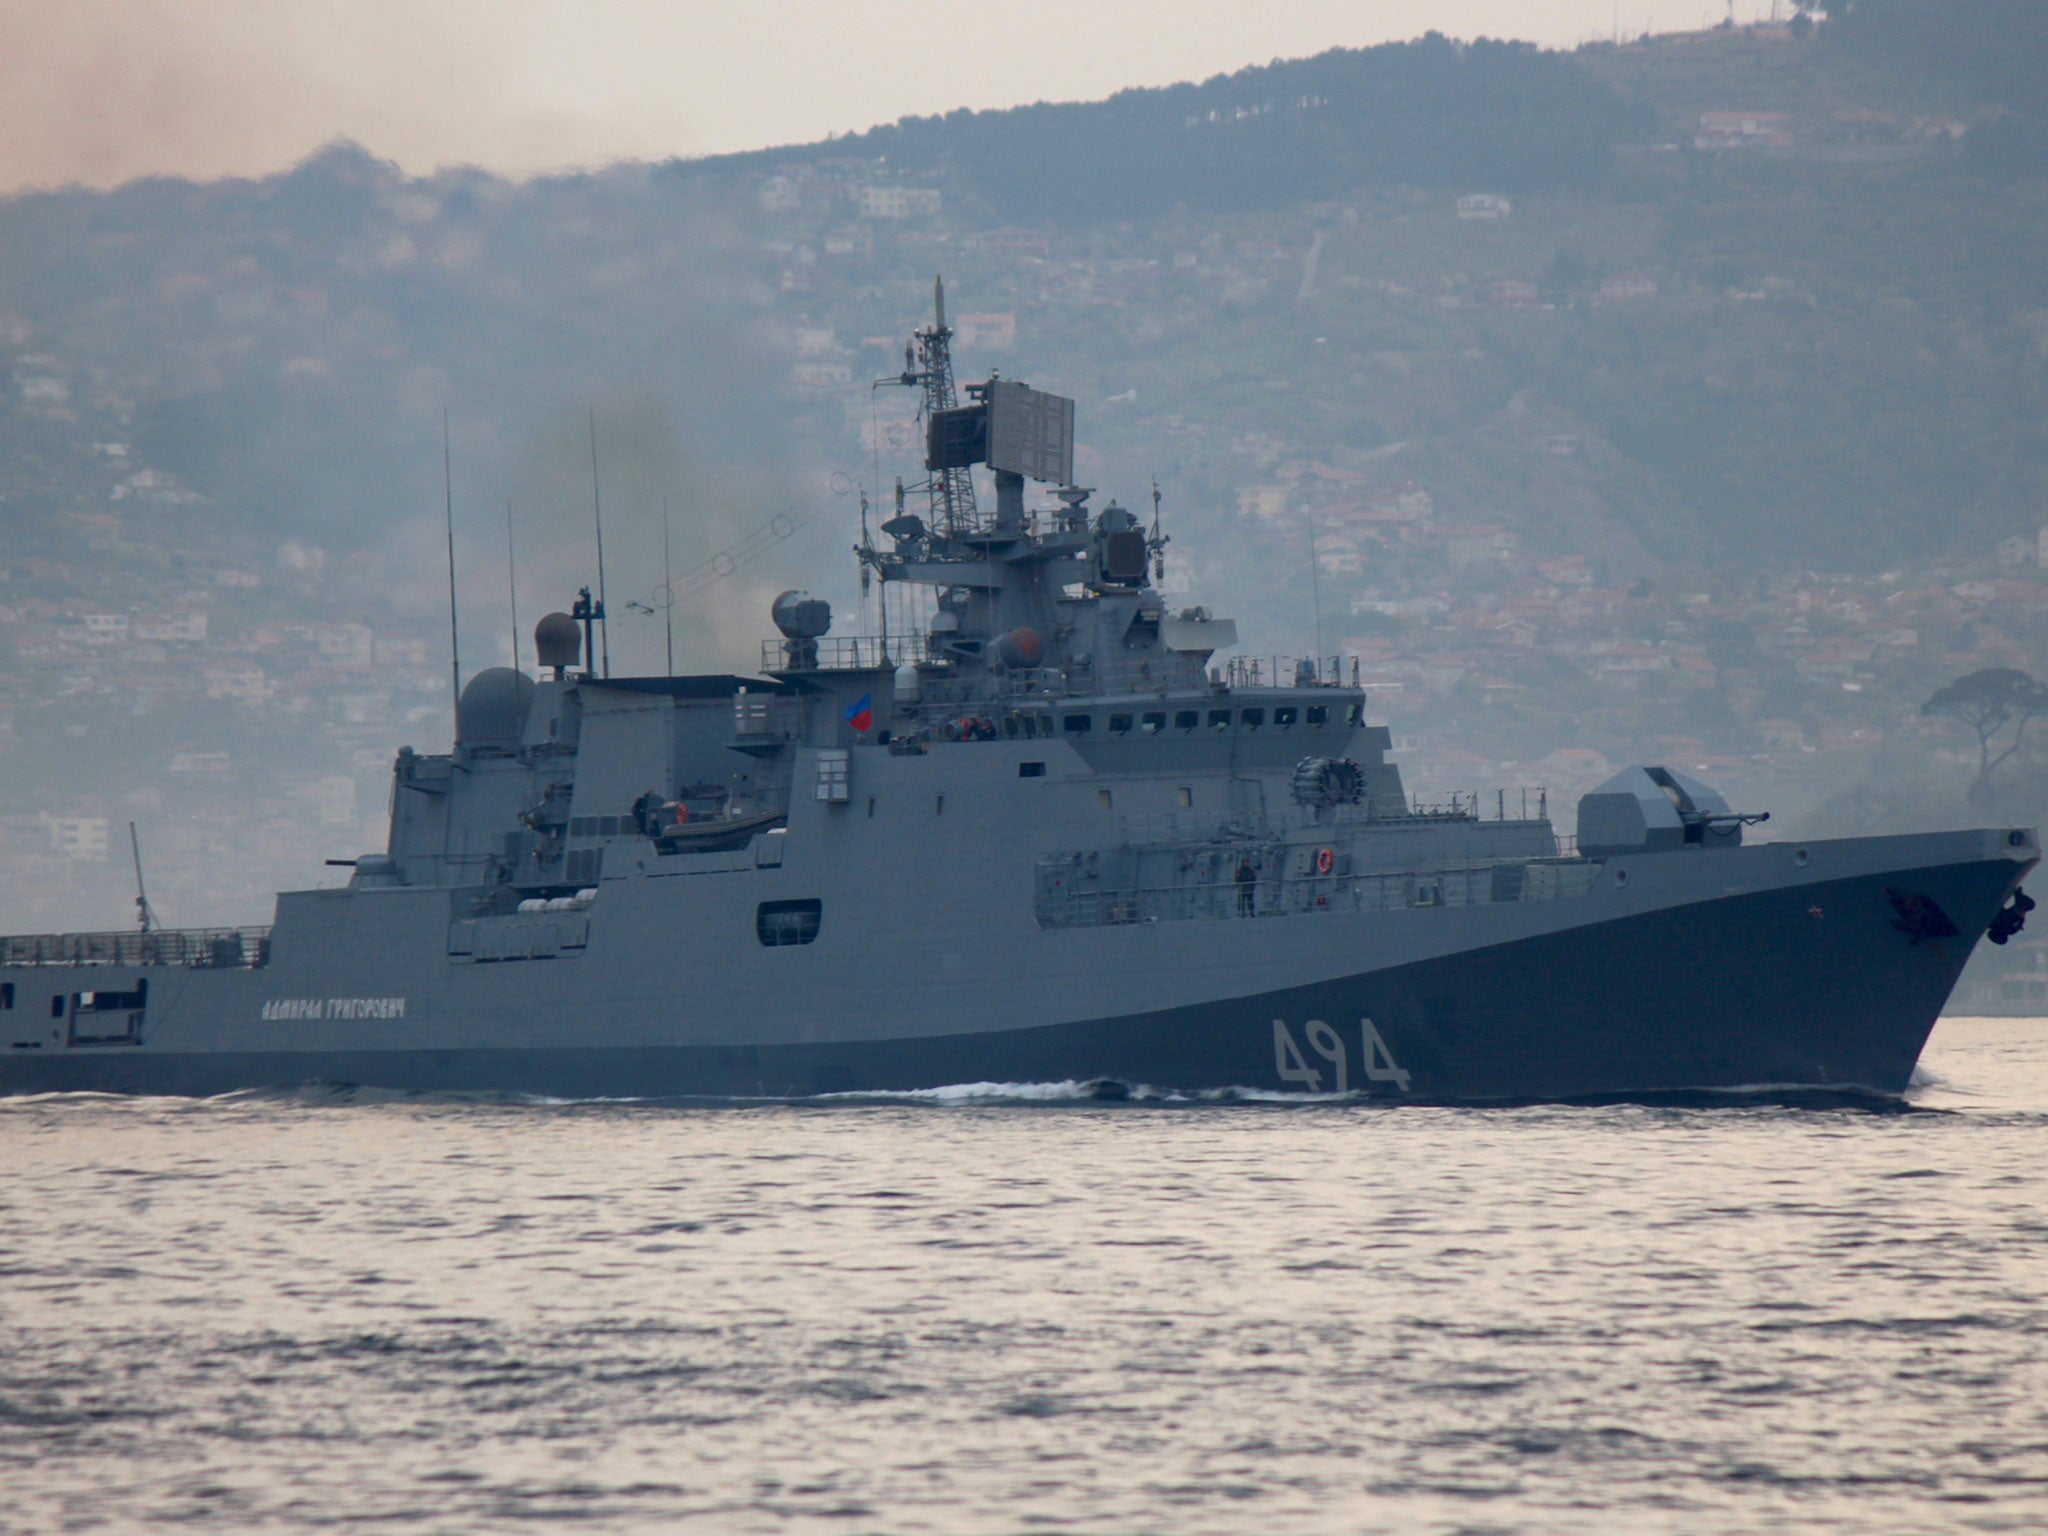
[1251, 719]
[1219, 719]
[1186, 719]
[1152, 723]
[1319, 714]
[1285, 715]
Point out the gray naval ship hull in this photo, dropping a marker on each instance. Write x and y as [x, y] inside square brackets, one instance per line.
[1048, 835]
[1769, 966]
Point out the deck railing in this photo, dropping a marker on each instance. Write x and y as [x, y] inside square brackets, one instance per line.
[1470, 885]
[212, 949]
[843, 653]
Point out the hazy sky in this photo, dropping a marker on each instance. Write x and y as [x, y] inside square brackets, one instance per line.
[100, 91]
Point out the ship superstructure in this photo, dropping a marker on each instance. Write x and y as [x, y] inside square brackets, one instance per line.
[1046, 835]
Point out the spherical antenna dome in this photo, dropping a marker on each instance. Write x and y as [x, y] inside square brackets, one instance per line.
[1021, 647]
[558, 642]
[801, 616]
[492, 710]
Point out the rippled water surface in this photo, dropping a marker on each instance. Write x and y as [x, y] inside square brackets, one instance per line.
[962, 1315]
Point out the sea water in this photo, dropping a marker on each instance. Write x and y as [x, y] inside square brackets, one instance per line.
[1020, 1310]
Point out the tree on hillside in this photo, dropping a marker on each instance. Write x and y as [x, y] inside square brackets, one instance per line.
[1989, 702]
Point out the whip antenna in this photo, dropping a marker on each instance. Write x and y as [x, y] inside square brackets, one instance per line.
[668, 591]
[604, 629]
[145, 914]
[512, 583]
[448, 503]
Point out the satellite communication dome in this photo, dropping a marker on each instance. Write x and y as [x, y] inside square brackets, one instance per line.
[492, 709]
[558, 642]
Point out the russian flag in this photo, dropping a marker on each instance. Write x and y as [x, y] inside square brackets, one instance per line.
[860, 714]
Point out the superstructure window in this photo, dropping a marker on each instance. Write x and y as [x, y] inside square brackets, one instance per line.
[1186, 719]
[1354, 714]
[1219, 719]
[1153, 723]
[1252, 719]
[1076, 725]
[1319, 714]
[1102, 799]
[1120, 723]
[788, 922]
[1031, 770]
[1187, 796]
[1285, 715]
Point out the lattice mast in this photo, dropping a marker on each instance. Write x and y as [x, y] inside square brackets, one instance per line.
[928, 364]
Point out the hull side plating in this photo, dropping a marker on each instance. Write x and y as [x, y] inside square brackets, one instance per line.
[1817, 985]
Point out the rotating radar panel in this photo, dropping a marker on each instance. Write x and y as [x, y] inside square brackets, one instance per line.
[1030, 432]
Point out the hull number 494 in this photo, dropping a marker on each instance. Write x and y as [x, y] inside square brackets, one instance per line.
[1334, 1050]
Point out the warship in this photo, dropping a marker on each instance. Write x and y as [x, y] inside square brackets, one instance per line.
[1045, 836]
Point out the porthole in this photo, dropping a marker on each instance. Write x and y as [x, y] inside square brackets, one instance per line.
[1621, 877]
[1799, 858]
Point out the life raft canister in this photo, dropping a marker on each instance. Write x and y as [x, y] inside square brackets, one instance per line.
[1326, 860]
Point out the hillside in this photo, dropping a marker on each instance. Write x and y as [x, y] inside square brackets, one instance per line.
[1683, 398]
